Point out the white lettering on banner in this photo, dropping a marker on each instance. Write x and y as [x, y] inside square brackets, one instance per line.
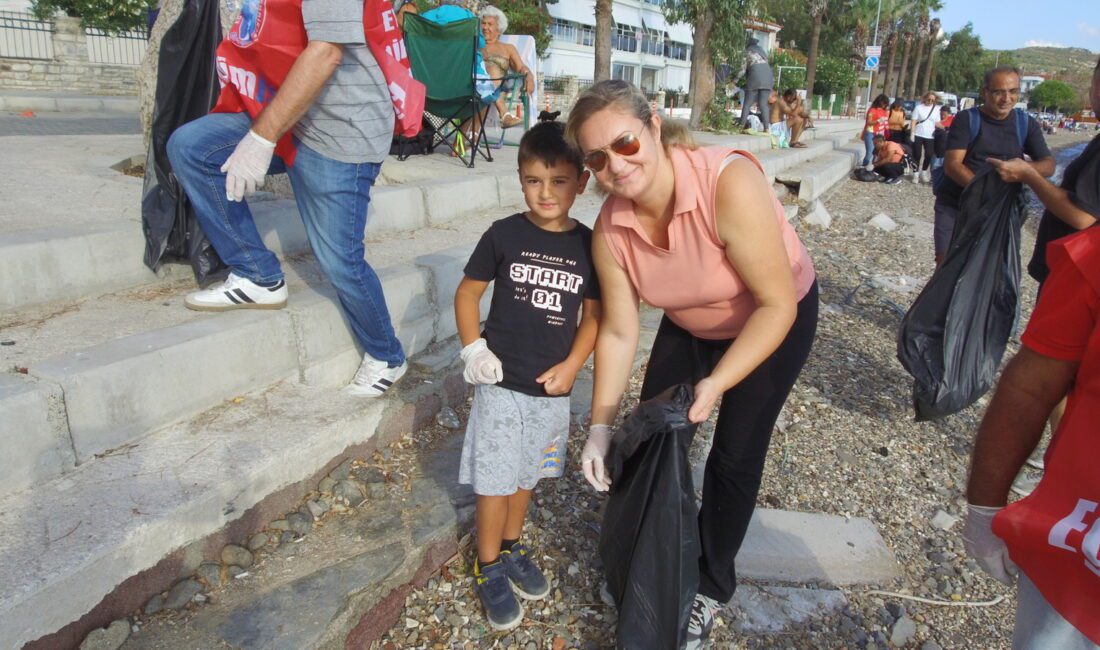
[1075, 522]
[397, 93]
[543, 277]
[389, 21]
[223, 70]
[543, 299]
[244, 80]
[396, 49]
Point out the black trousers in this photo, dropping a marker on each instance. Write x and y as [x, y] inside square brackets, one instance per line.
[927, 147]
[890, 170]
[746, 417]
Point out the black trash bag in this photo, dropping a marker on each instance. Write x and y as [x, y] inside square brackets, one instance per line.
[187, 88]
[649, 542]
[865, 175]
[954, 335]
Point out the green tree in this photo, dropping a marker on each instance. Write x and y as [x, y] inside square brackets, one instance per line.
[790, 77]
[527, 17]
[960, 63]
[108, 15]
[834, 76]
[1054, 94]
[817, 10]
[718, 36]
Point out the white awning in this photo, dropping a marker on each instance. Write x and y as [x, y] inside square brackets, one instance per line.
[577, 11]
[680, 32]
[654, 20]
[626, 15]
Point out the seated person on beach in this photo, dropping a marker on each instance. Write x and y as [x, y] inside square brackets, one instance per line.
[789, 108]
[889, 157]
[502, 58]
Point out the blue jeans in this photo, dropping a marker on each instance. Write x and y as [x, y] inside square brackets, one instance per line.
[332, 199]
[869, 143]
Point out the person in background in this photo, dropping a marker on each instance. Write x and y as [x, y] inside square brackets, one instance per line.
[999, 136]
[539, 333]
[877, 123]
[926, 115]
[699, 233]
[889, 160]
[759, 82]
[787, 116]
[402, 7]
[898, 129]
[500, 59]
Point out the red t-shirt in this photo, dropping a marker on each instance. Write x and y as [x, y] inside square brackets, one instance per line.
[1054, 534]
[880, 120]
[946, 121]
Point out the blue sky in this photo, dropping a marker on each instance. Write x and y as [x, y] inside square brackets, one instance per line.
[1009, 24]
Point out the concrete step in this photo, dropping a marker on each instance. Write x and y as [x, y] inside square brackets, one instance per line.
[22, 100]
[817, 176]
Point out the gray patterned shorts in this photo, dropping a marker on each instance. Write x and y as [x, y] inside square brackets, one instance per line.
[513, 440]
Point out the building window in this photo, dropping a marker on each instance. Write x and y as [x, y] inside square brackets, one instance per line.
[624, 38]
[624, 72]
[651, 42]
[678, 51]
[586, 35]
[563, 30]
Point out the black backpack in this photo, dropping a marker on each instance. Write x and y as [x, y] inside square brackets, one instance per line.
[417, 145]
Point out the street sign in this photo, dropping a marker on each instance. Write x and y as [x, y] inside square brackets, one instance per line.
[871, 63]
[873, 50]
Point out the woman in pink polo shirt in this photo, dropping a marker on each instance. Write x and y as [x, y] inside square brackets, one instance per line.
[699, 233]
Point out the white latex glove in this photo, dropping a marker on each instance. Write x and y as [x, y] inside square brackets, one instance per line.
[247, 166]
[593, 455]
[988, 550]
[482, 366]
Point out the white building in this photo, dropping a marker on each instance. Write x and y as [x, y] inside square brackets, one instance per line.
[1028, 83]
[645, 49]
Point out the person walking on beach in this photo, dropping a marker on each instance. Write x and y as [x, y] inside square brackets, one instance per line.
[759, 82]
[995, 130]
[697, 232]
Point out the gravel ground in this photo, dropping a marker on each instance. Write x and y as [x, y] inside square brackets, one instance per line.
[846, 444]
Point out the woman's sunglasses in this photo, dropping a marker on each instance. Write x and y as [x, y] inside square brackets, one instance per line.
[627, 145]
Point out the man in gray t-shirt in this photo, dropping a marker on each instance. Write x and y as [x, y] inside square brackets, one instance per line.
[335, 102]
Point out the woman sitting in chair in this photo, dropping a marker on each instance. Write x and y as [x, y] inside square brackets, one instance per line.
[500, 58]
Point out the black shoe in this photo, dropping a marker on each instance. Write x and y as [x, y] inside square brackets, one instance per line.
[894, 181]
[526, 578]
[495, 591]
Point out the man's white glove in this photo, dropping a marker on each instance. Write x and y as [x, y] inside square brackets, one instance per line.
[593, 455]
[482, 366]
[988, 550]
[247, 166]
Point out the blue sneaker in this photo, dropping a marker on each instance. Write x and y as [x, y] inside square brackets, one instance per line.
[495, 591]
[525, 576]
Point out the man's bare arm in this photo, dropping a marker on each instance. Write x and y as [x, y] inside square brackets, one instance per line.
[303, 83]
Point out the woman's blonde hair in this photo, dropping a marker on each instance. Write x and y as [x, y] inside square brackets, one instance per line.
[629, 99]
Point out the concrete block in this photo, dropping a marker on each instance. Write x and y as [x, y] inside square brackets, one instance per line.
[396, 208]
[280, 226]
[121, 104]
[511, 192]
[80, 104]
[120, 390]
[445, 268]
[65, 264]
[34, 441]
[450, 198]
[81, 536]
[327, 352]
[30, 103]
[805, 547]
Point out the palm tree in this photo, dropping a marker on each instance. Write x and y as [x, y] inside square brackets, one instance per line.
[817, 10]
[702, 67]
[907, 39]
[923, 9]
[604, 22]
[933, 40]
[861, 14]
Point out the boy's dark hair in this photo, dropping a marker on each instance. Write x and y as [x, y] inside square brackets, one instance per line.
[546, 143]
[879, 138]
[790, 93]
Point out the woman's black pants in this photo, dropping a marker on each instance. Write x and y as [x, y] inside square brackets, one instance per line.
[927, 146]
[746, 417]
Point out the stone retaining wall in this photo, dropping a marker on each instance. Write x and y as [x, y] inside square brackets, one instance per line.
[70, 69]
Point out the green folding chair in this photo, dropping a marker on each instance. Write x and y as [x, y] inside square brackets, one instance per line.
[444, 59]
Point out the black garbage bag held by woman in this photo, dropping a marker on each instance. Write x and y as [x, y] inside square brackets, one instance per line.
[649, 542]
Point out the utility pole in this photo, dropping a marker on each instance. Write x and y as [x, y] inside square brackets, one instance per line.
[871, 78]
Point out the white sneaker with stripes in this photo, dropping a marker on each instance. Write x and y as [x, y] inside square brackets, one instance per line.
[237, 293]
[375, 377]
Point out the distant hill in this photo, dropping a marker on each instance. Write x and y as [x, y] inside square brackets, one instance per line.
[1055, 60]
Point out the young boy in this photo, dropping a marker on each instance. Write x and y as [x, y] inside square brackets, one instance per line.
[888, 163]
[524, 363]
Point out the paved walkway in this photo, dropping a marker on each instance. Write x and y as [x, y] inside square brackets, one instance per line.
[69, 124]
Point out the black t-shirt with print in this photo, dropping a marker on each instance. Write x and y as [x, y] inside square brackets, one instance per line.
[541, 279]
[996, 139]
